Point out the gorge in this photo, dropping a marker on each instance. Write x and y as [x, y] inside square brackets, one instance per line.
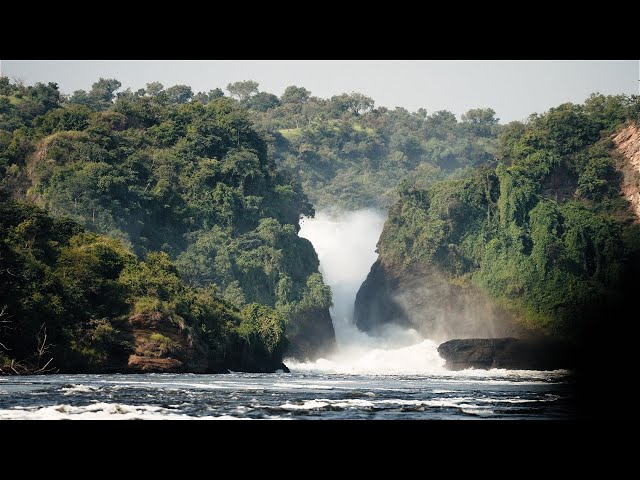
[148, 236]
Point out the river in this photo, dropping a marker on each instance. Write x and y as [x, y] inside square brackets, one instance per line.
[300, 394]
[398, 375]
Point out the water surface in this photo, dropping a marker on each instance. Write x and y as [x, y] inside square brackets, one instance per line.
[497, 394]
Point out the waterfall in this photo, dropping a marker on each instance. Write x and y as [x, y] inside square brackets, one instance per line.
[346, 244]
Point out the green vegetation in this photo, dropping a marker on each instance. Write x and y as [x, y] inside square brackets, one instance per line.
[118, 207]
[162, 170]
[545, 232]
[68, 296]
[217, 183]
[349, 154]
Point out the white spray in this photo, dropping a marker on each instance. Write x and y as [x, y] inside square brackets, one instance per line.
[346, 244]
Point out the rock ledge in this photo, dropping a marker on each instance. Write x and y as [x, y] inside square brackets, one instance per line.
[509, 353]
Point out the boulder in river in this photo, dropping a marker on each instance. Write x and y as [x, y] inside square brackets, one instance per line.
[509, 353]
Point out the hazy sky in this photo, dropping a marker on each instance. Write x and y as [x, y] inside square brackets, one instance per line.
[514, 89]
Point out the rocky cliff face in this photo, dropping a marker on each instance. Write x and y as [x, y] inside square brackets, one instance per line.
[426, 301]
[162, 346]
[314, 339]
[627, 143]
[439, 306]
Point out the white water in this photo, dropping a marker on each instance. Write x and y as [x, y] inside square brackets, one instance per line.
[305, 394]
[346, 244]
[101, 411]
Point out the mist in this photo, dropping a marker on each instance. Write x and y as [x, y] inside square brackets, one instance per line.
[346, 247]
[441, 311]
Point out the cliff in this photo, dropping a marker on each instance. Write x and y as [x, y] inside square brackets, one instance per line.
[77, 302]
[192, 179]
[424, 299]
[160, 345]
[163, 345]
[315, 338]
[627, 142]
[544, 242]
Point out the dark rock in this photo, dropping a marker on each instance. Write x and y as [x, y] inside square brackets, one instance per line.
[314, 337]
[425, 298]
[244, 357]
[284, 368]
[375, 305]
[509, 353]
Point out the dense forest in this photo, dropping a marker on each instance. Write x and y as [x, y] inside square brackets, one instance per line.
[171, 178]
[161, 225]
[348, 154]
[72, 300]
[543, 230]
[217, 183]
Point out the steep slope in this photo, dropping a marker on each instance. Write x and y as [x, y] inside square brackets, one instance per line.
[542, 242]
[427, 300]
[162, 173]
[74, 301]
[627, 143]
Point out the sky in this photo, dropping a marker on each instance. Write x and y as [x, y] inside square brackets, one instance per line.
[513, 88]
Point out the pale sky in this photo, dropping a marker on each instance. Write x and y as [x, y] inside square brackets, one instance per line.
[513, 88]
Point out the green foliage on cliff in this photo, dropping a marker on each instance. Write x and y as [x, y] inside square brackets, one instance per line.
[163, 170]
[68, 294]
[545, 232]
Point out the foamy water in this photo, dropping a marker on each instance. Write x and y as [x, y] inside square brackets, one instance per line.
[421, 358]
[346, 246]
[304, 394]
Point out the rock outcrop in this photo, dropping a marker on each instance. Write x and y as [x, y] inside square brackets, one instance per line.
[627, 143]
[509, 353]
[164, 346]
[314, 339]
[429, 302]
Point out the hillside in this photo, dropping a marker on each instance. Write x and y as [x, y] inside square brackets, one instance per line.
[349, 154]
[541, 242]
[74, 301]
[219, 183]
[158, 229]
[163, 172]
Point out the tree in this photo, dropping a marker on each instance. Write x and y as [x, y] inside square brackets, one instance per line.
[205, 98]
[263, 101]
[5, 105]
[421, 113]
[294, 94]
[47, 95]
[179, 94]
[359, 103]
[72, 117]
[480, 121]
[355, 103]
[101, 95]
[480, 116]
[154, 89]
[5, 86]
[103, 91]
[243, 90]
